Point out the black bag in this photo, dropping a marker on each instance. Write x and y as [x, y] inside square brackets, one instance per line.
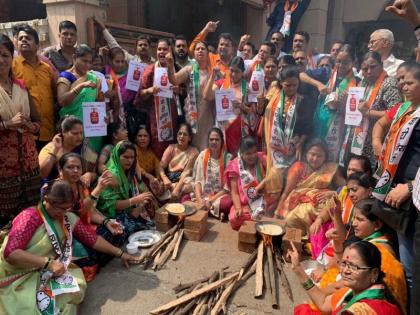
[397, 219]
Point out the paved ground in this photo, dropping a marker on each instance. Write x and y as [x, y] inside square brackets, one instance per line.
[117, 290]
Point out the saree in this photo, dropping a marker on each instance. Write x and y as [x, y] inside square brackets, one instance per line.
[208, 172]
[177, 162]
[301, 206]
[18, 286]
[19, 167]
[329, 123]
[129, 185]
[75, 108]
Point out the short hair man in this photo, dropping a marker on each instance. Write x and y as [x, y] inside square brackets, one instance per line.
[277, 39]
[382, 41]
[61, 55]
[335, 48]
[39, 80]
[301, 42]
[325, 62]
[181, 51]
[248, 51]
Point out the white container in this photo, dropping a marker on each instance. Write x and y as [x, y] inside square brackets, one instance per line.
[132, 248]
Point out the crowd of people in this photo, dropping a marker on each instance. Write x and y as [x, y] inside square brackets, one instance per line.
[69, 202]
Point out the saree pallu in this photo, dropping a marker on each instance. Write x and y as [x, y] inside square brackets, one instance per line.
[301, 206]
[19, 296]
[75, 108]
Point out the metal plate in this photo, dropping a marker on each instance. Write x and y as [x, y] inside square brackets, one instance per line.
[188, 210]
[145, 238]
[269, 228]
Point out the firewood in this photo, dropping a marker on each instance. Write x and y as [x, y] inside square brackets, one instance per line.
[284, 281]
[192, 295]
[165, 255]
[259, 271]
[272, 276]
[178, 243]
[181, 287]
[225, 295]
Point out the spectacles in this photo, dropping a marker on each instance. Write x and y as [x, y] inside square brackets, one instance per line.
[352, 267]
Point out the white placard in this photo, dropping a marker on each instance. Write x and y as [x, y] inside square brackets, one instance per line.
[224, 105]
[134, 74]
[161, 81]
[94, 122]
[353, 115]
[256, 86]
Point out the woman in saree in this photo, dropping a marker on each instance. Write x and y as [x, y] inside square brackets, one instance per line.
[70, 167]
[286, 127]
[368, 227]
[77, 86]
[381, 93]
[36, 273]
[123, 110]
[69, 139]
[363, 291]
[161, 111]
[199, 113]
[178, 162]
[150, 167]
[128, 201]
[116, 132]
[19, 122]
[329, 115]
[271, 69]
[209, 183]
[307, 180]
[245, 178]
[245, 122]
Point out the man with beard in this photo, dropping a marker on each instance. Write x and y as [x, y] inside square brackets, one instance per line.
[224, 54]
[39, 80]
[278, 40]
[301, 42]
[61, 55]
[181, 52]
[143, 53]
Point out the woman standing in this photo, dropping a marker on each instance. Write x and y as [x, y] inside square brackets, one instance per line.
[208, 176]
[381, 93]
[200, 114]
[161, 111]
[19, 121]
[329, 115]
[77, 86]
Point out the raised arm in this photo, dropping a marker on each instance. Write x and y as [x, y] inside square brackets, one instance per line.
[209, 28]
[176, 78]
[380, 129]
[209, 88]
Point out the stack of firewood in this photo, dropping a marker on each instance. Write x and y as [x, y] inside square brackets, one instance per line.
[168, 246]
[210, 294]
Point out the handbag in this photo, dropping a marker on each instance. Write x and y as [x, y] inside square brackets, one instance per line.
[397, 219]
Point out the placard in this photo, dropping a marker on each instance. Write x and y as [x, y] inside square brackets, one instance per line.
[256, 86]
[161, 81]
[353, 115]
[134, 74]
[94, 119]
[224, 105]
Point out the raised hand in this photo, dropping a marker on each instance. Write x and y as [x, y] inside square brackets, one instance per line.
[211, 26]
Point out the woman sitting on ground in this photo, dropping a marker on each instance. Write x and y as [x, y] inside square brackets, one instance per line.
[69, 139]
[364, 291]
[149, 165]
[245, 178]
[178, 162]
[209, 185]
[70, 166]
[30, 257]
[129, 202]
[116, 132]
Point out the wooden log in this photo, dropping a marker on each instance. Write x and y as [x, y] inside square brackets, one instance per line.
[192, 295]
[178, 243]
[250, 261]
[149, 258]
[166, 253]
[182, 287]
[284, 281]
[246, 276]
[266, 277]
[225, 295]
[171, 232]
[259, 271]
[272, 276]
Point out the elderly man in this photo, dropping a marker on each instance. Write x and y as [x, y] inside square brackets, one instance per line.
[382, 42]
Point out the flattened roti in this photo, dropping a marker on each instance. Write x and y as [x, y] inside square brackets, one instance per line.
[175, 208]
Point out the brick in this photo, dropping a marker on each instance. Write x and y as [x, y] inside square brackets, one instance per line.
[196, 235]
[194, 205]
[246, 247]
[163, 227]
[292, 235]
[161, 215]
[247, 233]
[196, 221]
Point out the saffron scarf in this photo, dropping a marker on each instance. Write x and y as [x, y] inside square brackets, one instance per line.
[394, 147]
[211, 180]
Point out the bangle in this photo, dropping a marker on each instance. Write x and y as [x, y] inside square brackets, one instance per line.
[53, 155]
[4, 125]
[308, 284]
[75, 91]
[129, 202]
[93, 197]
[120, 253]
[47, 263]
[106, 220]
